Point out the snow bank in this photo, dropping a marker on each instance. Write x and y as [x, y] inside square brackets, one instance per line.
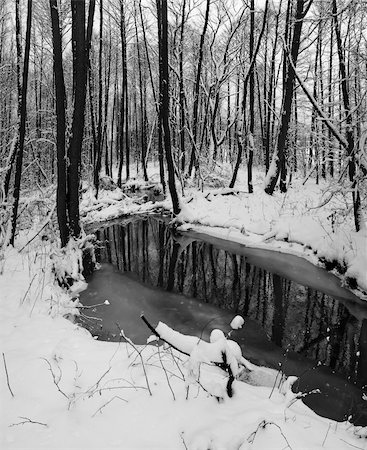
[293, 218]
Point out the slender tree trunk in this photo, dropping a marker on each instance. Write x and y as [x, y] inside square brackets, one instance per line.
[22, 121]
[251, 102]
[194, 157]
[348, 121]
[98, 151]
[182, 92]
[164, 108]
[271, 93]
[330, 102]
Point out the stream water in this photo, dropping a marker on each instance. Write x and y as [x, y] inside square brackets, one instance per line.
[297, 317]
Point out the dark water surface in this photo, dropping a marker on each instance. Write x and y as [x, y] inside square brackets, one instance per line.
[297, 316]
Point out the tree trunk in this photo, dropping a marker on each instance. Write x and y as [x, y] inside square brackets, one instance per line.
[194, 157]
[182, 92]
[22, 120]
[349, 123]
[97, 163]
[164, 108]
[251, 102]
[60, 123]
[278, 158]
[80, 47]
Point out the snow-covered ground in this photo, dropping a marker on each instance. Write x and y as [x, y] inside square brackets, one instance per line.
[61, 388]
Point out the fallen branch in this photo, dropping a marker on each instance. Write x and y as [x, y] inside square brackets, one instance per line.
[224, 365]
[159, 336]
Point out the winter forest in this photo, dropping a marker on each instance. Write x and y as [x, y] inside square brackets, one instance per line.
[183, 235]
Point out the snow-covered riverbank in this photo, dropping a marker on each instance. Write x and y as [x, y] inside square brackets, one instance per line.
[309, 221]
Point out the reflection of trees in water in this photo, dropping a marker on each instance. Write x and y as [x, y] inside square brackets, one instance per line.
[295, 317]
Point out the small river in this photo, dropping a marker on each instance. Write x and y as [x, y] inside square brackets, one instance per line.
[297, 316]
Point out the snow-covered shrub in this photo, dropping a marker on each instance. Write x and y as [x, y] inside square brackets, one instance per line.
[69, 263]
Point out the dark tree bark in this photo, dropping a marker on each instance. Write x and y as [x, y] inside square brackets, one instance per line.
[22, 119]
[160, 143]
[240, 140]
[122, 113]
[278, 158]
[80, 47]
[97, 163]
[60, 123]
[182, 92]
[125, 88]
[271, 93]
[194, 156]
[251, 101]
[164, 108]
[330, 102]
[143, 112]
[348, 121]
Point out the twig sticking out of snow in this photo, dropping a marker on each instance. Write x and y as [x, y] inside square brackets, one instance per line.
[105, 303]
[28, 420]
[7, 376]
[56, 380]
[129, 341]
[109, 401]
[262, 425]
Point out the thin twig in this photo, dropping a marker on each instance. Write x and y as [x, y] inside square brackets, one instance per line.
[360, 448]
[30, 284]
[166, 374]
[7, 376]
[129, 341]
[28, 420]
[109, 401]
[56, 382]
[183, 440]
[263, 425]
[323, 442]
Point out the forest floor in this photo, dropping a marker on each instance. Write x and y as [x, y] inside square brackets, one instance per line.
[61, 388]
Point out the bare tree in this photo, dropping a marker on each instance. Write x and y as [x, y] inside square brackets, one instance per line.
[278, 159]
[22, 116]
[164, 107]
